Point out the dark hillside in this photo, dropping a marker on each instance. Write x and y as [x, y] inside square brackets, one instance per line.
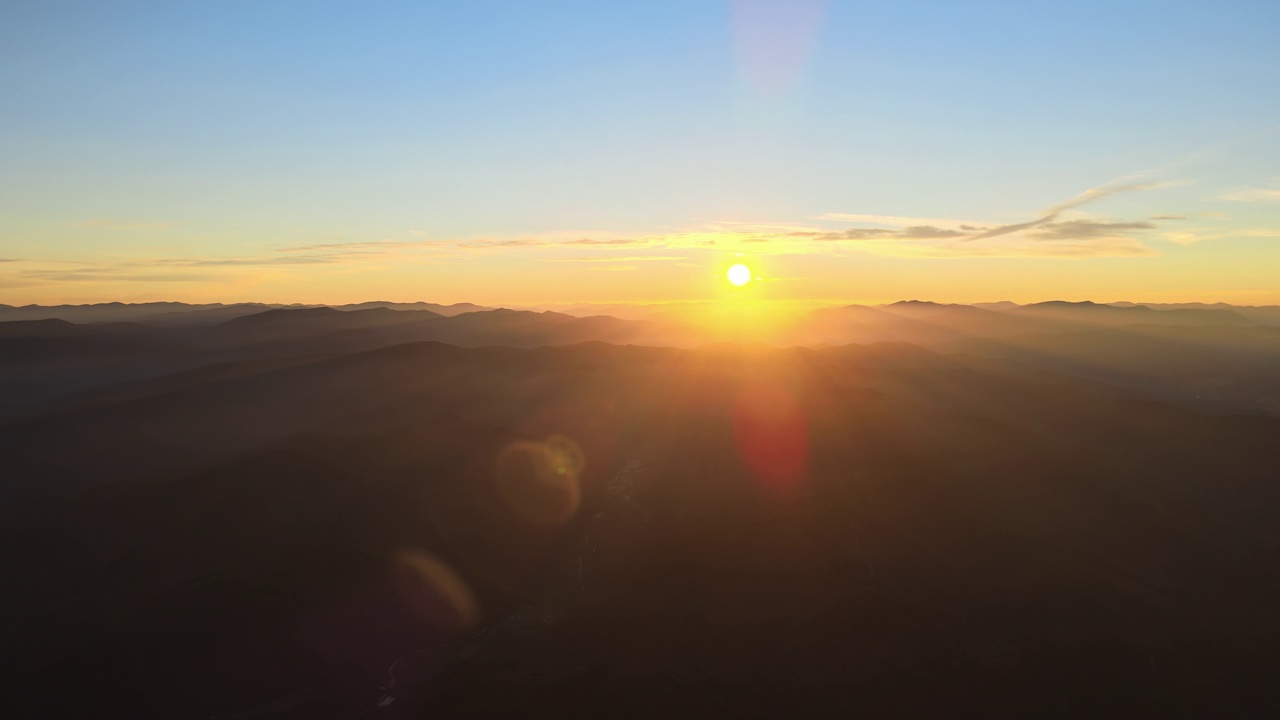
[872, 529]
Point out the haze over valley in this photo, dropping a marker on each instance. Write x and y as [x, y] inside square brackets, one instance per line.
[234, 511]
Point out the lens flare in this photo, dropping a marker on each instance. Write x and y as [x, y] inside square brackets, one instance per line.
[433, 591]
[775, 40]
[771, 434]
[539, 480]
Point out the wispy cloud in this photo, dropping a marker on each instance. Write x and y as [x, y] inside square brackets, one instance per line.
[110, 274]
[609, 241]
[508, 243]
[1062, 230]
[1252, 195]
[254, 261]
[1084, 198]
[1193, 236]
[388, 245]
[1035, 235]
[912, 232]
[1047, 234]
[616, 259]
[891, 220]
[850, 234]
[1088, 229]
[551, 241]
[118, 224]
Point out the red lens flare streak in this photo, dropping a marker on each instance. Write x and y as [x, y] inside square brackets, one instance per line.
[771, 435]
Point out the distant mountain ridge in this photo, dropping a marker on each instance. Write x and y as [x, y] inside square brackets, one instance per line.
[179, 313]
[1214, 357]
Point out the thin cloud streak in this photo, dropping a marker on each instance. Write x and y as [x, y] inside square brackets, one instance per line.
[620, 258]
[1052, 234]
[1088, 229]
[939, 237]
[117, 224]
[1088, 196]
[1252, 195]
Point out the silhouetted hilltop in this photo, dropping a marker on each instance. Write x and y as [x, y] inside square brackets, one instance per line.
[913, 322]
[454, 309]
[42, 329]
[1264, 314]
[46, 360]
[97, 313]
[1094, 313]
[176, 313]
[1210, 357]
[1217, 367]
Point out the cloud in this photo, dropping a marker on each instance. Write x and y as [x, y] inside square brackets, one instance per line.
[1058, 231]
[207, 269]
[611, 241]
[148, 268]
[850, 234]
[526, 242]
[370, 245]
[1088, 196]
[8, 260]
[554, 240]
[256, 261]
[893, 220]
[615, 259]
[111, 274]
[117, 224]
[1193, 236]
[1102, 191]
[1252, 195]
[1039, 230]
[1045, 235]
[929, 232]
[913, 232]
[1088, 229]
[1079, 248]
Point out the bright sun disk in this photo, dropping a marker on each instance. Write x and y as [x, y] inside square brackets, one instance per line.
[739, 274]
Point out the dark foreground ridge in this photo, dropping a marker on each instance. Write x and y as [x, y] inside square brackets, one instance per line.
[301, 516]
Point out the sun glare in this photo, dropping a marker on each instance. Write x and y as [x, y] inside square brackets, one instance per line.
[739, 274]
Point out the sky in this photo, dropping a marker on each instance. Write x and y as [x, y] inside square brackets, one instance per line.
[522, 153]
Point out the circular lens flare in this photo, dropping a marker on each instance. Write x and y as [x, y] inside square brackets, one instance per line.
[739, 274]
[540, 479]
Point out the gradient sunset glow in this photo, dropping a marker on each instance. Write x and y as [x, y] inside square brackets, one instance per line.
[591, 153]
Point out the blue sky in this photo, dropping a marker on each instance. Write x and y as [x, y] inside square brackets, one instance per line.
[142, 144]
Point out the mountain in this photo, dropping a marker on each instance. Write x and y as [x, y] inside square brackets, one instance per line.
[909, 321]
[325, 330]
[97, 313]
[44, 361]
[1223, 368]
[750, 529]
[1263, 314]
[1099, 314]
[176, 313]
[1209, 357]
[985, 328]
[450, 310]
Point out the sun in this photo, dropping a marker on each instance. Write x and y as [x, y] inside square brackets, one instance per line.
[739, 274]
